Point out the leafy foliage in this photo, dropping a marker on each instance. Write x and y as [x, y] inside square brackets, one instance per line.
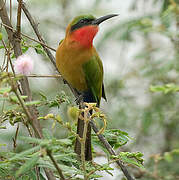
[143, 98]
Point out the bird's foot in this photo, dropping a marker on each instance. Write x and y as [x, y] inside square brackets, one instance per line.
[79, 99]
[64, 81]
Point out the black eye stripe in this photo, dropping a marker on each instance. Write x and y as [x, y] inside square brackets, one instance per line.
[81, 23]
[85, 20]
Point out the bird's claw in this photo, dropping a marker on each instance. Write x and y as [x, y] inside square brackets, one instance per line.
[79, 99]
[64, 81]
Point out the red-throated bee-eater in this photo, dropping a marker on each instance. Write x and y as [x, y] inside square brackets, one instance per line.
[79, 64]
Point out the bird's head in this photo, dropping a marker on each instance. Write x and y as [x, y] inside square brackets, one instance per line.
[83, 28]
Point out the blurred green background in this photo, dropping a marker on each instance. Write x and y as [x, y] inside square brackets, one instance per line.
[139, 49]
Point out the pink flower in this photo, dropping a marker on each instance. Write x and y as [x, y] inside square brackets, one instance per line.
[24, 65]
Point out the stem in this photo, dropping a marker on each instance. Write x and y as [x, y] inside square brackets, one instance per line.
[15, 138]
[18, 28]
[55, 164]
[110, 150]
[83, 141]
[44, 76]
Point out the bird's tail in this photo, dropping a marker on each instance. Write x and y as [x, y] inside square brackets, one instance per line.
[88, 152]
[87, 97]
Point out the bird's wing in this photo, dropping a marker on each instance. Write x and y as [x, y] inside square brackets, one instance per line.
[103, 92]
[93, 70]
[60, 41]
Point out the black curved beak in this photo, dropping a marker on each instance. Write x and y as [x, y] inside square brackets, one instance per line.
[103, 18]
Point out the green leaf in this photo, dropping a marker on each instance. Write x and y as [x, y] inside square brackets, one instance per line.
[39, 49]
[47, 134]
[168, 157]
[31, 139]
[15, 99]
[1, 36]
[24, 48]
[43, 96]
[165, 88]
[166, 17]
[116, 137]
[3, 145]
[29, 164]
[21, 155]
[131, 158]
[66, 157]
[30, 103]
[59, 99]
[5, 90]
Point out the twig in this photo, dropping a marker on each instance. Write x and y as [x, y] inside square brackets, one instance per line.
[15, 138]
[37, 170]
[18, 27]
[110, 150]
[8, 55]
[5, 25]
[10, 6]
[43, 44]
[44, 76]
[9, 59]
[55, 164]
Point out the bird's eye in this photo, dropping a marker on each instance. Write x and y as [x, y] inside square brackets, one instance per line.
[82, 21]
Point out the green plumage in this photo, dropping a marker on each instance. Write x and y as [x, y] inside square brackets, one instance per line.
[93, 71]
[78, 18]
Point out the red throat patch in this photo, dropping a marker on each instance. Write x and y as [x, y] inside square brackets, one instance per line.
[85, 35]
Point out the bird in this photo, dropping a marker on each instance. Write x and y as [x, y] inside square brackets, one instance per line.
[81, 67]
